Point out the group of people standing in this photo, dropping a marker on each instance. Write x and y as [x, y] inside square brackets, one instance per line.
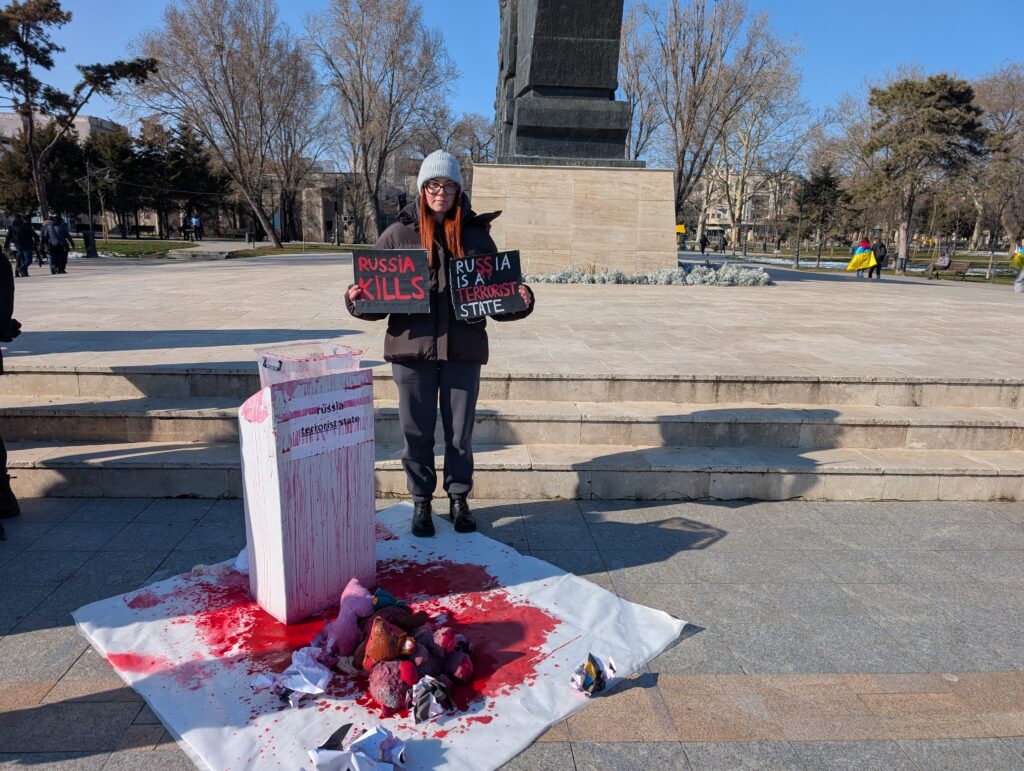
[881, 257]
[192, 228]
[54, 241]
[722, 245]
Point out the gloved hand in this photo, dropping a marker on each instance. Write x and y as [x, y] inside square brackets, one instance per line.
[10, 331]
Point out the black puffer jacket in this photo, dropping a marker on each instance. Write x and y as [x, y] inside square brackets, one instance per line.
[8, 326]
[438, 335]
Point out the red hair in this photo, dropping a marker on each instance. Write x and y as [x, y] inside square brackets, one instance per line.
[452, 227]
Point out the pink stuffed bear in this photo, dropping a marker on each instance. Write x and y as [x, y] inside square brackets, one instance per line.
[341, 636]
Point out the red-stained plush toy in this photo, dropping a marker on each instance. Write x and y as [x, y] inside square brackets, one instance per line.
[402, 617]
[386, 642]
[459, 666]
[426, 662]
[341, 636]
[387, 686]
[407, 671]
[444, 638]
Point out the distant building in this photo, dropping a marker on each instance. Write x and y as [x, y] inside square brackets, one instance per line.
[85, 125]
[761, 215]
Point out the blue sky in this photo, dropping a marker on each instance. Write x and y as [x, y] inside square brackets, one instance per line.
[844, 44]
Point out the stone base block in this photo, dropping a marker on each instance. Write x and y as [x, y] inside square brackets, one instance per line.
[593, 218]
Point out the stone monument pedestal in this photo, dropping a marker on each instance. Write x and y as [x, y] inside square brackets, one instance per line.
[594, 218]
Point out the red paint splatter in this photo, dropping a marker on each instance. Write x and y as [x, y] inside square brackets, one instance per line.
[383, 534]
[234, 628]
[507, 634]
[254, 409]
[135, 662]
[433, 581]
[193, 674]
[440, 734]
[143, 599]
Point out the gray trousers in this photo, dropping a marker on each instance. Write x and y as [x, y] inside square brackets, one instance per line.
[422, 385]
[1018, 284]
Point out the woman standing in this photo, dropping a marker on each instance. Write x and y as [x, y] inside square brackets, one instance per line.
[434, 356]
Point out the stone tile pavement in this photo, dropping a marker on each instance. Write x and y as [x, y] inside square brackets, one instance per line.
[821, 636]
[212, 314]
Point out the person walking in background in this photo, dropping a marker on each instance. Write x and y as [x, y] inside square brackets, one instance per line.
[881, 258]
[22, 237]
[723, 243]
[57, 239]
[703, 243]
[9, 329]
[434, 355]
[862, 258]
[197, 227]
[1018, 263]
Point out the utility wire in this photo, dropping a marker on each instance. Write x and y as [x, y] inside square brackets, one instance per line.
[164, 189]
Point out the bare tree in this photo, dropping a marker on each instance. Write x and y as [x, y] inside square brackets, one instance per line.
[227, 70]
[708, 59]
[999, 188]
[300, 139]
[477, 138]
[26, 45]
[636, 80]
[389, 72]
[470, 137]
[765, 137]
[439, 130]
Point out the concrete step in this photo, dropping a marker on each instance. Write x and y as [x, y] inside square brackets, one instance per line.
[526, 422]
[239, 382]
[211, 470]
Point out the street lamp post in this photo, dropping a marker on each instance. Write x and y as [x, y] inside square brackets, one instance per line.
[90, 238]
[339, 206]
[799, 226]
[90, 241]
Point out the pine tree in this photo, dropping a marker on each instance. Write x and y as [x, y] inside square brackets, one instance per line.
[115, 152]
[822, 198]
[26, 44]
[61, 171]
[923, 130]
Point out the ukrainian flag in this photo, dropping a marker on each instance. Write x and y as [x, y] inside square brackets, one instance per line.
[862, 259]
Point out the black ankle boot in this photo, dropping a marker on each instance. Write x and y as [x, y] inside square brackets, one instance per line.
[462, 517]
[422, 521]
[9, 508]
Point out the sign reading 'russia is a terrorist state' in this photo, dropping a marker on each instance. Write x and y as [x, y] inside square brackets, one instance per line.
[486, 285]
[392, 281]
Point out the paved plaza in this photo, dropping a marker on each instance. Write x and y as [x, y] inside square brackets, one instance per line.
[821, 634]
[120, 313]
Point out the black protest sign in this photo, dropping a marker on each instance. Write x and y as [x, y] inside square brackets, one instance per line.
[486, 285]
[392, 280]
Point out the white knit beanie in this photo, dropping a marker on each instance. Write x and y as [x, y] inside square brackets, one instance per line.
[439, 164]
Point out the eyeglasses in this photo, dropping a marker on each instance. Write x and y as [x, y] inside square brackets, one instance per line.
[435, 187]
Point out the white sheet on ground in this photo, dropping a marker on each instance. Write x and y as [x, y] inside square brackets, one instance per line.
[191, 646]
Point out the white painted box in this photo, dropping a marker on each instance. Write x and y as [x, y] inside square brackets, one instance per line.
[307, 470]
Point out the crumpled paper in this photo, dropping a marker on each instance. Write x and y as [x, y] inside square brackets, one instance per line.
[590, 677]
[239, 565]
[306, 676]
[430, 698]
[373, 750]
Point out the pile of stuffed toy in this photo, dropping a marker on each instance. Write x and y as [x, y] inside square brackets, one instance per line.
[412, 661]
